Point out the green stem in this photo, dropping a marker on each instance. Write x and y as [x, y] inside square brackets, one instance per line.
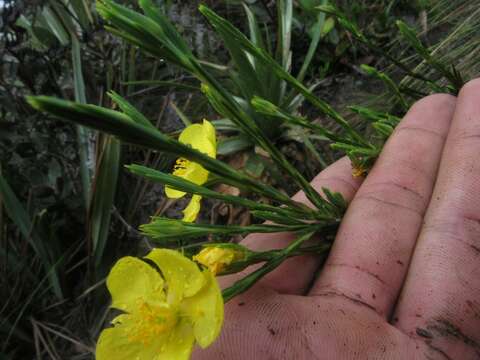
[247, 282]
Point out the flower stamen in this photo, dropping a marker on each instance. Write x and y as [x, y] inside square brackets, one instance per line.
[151, 321]
[180, 166]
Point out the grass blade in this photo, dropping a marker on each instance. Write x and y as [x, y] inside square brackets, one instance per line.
[20, 218]
[84, 149]
[106, 179]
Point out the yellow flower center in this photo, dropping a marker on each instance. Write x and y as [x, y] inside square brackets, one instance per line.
[150, 321]
[359, 171]
[180, 167]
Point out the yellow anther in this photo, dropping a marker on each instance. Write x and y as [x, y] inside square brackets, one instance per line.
[151, 321]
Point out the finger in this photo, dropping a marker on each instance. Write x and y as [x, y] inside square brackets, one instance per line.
[370, 255]
[441, 295]
[295, 274]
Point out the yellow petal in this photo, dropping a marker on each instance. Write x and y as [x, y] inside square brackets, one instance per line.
[132, 279]
[179, 345]
[193, 208]
[171, 193]
[194, 173]
[182, 275]
[205, 310]
[175, 345]
[199, 137]
[114, 344]
[209, 131]
[202, 138]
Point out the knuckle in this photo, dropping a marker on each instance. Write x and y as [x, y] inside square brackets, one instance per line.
[398, 191]
[386, 203]
[409, 187]
[463, 227]
[420, 130]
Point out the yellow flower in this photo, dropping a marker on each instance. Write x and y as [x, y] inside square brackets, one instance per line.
[217, 259]
[359, 171]
[163, 316]
[202, 138]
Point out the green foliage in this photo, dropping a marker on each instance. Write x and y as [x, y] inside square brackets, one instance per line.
[191, 188]
[18, 213]
[266, 91]
[153, 33]
[164, 230]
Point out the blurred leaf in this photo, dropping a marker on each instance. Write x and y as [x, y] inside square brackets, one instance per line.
[234, 144]
[328, 26]
[186, 121]
[64, 15]
[40, 38]
[254, 165]
[20, 218]
[130, 110]
[43, 36]
[81, 8]
[285, 16]
[84, 151]
[224, 125]
[391, 85]
[317, 32]
[170, 84]
[106, 179]
[55, 25]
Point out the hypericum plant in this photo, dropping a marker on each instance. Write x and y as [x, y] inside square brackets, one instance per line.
[160, 307]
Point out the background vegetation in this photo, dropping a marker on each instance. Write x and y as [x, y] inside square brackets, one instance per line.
[69, 209]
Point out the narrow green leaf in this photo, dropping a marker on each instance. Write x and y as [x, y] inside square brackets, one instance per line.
[247, 282]
[319, 30]
[276, 218]
[265, 107]
[130, 110]
[234, 144]
[171, 84]
[20, 218]
[103, 198]
[82, 9]
[165, 229]
[85, 151]
[55, 25]
[186, 121]
[285, 16]
[451, 74]
[192, 188]
[388, 82]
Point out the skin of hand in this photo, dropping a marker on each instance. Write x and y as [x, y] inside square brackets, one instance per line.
[402, 280]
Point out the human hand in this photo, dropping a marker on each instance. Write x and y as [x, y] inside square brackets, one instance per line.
[402, 280]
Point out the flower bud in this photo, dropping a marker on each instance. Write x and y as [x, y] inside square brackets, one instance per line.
[218, 258]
